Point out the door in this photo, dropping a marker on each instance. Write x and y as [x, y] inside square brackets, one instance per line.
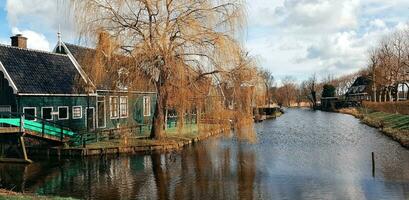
[101, 112]
[90, 118]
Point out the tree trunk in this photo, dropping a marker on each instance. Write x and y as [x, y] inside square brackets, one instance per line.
[390, 96]
[374, 93]
[157, 131]
[180, 119]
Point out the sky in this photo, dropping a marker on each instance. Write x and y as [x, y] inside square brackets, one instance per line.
[288, 37]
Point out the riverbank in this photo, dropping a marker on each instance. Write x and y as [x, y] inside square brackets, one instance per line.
[395, 126]
[10, 195]
[174, 140]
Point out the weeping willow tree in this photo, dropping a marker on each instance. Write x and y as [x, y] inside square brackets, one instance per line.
[180, 45]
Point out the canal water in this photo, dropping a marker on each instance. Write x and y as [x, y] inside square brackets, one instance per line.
[301, 155]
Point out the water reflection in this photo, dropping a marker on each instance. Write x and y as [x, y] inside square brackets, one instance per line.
[302, 155]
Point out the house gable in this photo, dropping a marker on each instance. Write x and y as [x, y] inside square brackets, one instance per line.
[39, 72]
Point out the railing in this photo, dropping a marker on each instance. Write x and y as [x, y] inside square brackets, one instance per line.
[86, 137]
[35, 124]
[172, 120]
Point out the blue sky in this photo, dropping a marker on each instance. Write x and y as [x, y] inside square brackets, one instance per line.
[288, 37]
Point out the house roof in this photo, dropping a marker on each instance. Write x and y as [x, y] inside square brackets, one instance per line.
[39, 72]
[360, 86]
[79, 52]
[84, 56]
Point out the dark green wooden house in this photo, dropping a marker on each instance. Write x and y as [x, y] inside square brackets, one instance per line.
[54, 86]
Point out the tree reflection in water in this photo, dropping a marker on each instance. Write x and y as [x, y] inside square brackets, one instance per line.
[290, 161]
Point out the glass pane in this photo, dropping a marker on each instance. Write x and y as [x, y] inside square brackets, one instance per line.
[101, 114]
[62, 113]
[29, 113]
[47, 113]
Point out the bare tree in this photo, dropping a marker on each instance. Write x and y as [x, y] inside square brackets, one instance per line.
[311, 88]
[268, 80]
[164, 37]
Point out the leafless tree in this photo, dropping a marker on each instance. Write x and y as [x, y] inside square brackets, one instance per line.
[165, 37]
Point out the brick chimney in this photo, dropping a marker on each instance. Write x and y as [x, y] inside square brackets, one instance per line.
[19, 41]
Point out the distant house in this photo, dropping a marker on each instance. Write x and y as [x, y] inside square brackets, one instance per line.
[360, 90]
[54, 86]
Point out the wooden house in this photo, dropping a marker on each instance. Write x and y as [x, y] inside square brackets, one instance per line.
[360, 90]
[55, 86]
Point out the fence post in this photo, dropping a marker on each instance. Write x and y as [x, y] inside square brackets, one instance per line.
[62, 134]
[42, 127]
[22, 123]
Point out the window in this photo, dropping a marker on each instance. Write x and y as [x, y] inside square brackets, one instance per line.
[123, 106]
[30, 113]
[113, 107]
[63, 112]
[5, 108]
[76, 112]
[146, 106]
[46, 113]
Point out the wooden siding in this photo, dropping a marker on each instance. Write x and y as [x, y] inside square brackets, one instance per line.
[55, 101]
[7, 98]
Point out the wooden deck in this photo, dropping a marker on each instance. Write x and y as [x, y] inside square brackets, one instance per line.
[9, 130]
[15, 160]
[16, 131]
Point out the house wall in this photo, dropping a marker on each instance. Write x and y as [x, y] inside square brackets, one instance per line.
[55, 101]
[7, 98]
[135, 110]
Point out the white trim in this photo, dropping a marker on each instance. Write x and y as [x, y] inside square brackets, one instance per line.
[72, 112]
[7, 76]
[35, 111]
[143, 104]
[110, 105]
[105, 113]
[52, 109]
[127, 107]
[77, 65]
[68, 112]
[69, 95]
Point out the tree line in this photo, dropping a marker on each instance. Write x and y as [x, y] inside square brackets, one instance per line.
[388, 67]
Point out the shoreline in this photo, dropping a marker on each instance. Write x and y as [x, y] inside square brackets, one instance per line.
[388, 129]
[117, 147]
[10, 195]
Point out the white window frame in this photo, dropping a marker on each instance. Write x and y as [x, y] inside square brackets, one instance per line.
[68, 112]
[145, 98]
[35, 111]
[72, 112]
[52, 110]
[111, 109]
[6, 106]
[126, 108]
[105, 112]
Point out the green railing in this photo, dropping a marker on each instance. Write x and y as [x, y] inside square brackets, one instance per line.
[41, 126]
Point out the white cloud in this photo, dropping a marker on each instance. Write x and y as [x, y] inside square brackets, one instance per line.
[377, 23]
[302, 37]
[34, 40]
[41, 15]
[4, 41]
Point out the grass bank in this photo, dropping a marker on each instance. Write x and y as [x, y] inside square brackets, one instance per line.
[395, 126]
[9, 195]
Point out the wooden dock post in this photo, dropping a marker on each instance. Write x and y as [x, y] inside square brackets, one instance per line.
[373, 164]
